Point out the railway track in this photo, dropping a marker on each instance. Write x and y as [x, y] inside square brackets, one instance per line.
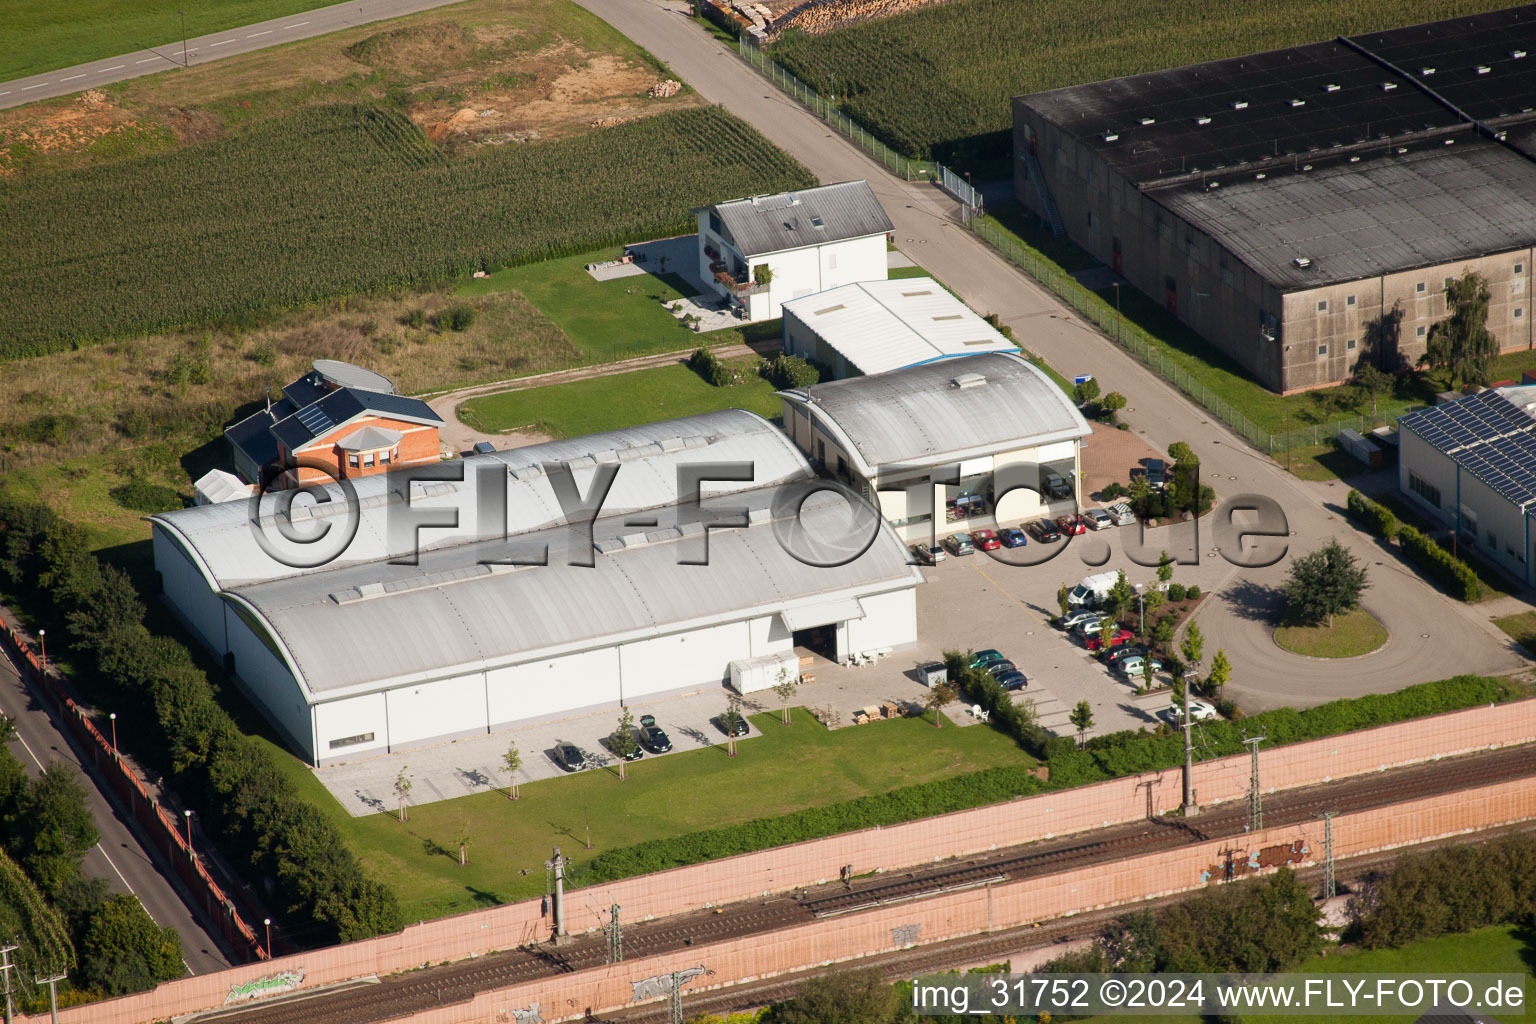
[399, 995]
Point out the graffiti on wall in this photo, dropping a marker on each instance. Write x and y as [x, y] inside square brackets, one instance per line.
[1237, 863]
[271, 985]
[528, 1016]
[905, 934]
[661, 984]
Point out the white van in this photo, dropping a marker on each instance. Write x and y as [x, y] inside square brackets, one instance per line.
[1090, 593]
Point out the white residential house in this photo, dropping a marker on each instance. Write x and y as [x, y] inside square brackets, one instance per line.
[766, 250]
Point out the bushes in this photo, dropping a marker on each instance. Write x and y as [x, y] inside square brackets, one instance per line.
[785, 372]
[318, 885]
[457, 317]
[1177, 592]
[981, 689]
[1452, 889]
[143, 496]
[1373, 515]
[708, 365]
[1437, 563]
[1193, 592]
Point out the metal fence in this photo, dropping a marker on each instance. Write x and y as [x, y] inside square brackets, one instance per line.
[1146, 348]
[958, 187]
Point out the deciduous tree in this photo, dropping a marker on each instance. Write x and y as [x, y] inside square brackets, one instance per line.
[623, 742]
[784, 689]
[1324, 583]
[1082, 720]
[512, 761]
[938, 695]
[402, 791]
[1462, 343]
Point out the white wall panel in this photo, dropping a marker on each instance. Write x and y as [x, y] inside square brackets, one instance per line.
[351, 716]
[769, 636]
[890, 620]
[445, 707]
[187, 590]
[270, 682]
[543, 688]
[682, 659]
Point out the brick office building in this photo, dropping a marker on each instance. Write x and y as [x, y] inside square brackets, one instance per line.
[1302, 207]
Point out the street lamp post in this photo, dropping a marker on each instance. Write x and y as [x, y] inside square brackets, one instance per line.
[1117, 299]
[183, 14]
[268, 922]
[113, 716]
[188, 814]
[42, 638]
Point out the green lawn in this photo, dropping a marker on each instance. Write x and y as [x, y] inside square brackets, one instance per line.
[1501, 950]
[784, 770]
[612, 320]
[1351, 634]
[1521, 628]
[620, 400]
[42, 35]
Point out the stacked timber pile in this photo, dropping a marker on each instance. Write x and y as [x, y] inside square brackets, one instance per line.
[817, 16]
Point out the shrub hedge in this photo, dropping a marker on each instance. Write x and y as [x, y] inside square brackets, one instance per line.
[317, 886]
[1437, 563]
[1452, 889]
[1373, 515]
[785, 372]
[708, 365]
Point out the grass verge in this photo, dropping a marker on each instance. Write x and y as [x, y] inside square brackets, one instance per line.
[1521, 628]
[1352, 634]
[785, 769]
[619, 400]
[1495, 583]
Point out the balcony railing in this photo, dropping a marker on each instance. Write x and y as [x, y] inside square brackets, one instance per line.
[737, 286]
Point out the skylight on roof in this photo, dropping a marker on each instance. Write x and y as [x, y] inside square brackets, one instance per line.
[1148, 120]
[1388, 86]
[1298, 103]
[913, 295]
[1239, 104]
[829, 309]
[1483, 69]
[1111, 136]
[1516, 54]
[950, 316]
[1331, 87]
[1426, 72]
[1202, 120]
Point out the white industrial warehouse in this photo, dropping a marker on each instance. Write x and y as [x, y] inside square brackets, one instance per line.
[984, 439]
[366, 654]
[878, 326]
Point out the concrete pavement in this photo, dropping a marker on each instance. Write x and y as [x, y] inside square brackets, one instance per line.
[119, 857]
[1432, 635]
[204, 48]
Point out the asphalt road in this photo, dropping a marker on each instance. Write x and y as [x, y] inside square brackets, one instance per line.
[1432, 636]
[118, 857]
[202, 49]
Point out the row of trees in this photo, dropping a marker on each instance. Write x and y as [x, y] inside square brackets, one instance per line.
[316, 885]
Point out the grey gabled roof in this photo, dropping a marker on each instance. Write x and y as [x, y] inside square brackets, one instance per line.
[793, 220]
[370, 437]
[920, 416]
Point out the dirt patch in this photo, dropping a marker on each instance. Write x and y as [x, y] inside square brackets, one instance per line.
[194, 124]
[415, 48]
[60, 127]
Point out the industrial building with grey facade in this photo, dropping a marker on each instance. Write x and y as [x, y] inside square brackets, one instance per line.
[1304, 207]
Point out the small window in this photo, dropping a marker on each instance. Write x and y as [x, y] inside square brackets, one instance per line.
[831, 261]
[1425, 490]
[1419, 332]
[1090, 218]
[384, 458]
[1349, 346]
[1349, 300]
[368, 459]
[352, 741]
[1491, 540]
[1322, 350]
[1519, 268]
[1446, 284]
[1322, 305]
[714, 223]
[352, 461]
[1519, 312]
[1420, 288]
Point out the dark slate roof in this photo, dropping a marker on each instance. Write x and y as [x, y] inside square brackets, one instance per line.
[253, 435]
[1491, 434]
[344, 404]
[1439, 201]
[1359, 154]
[793, 220]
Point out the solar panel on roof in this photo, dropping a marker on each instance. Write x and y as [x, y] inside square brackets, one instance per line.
[315, 420]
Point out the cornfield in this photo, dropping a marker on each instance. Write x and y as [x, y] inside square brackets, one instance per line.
[936, 83]
[339, 200]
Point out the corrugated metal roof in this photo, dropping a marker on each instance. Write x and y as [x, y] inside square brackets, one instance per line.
[1491, 434]
[919, 416]
[1387, 213]
[793, 220]
[649, 456]
[449, 614]
[886, 325]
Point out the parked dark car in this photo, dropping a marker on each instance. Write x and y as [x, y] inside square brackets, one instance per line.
[652, 736]
[741, 726]
[1124, 651]
[636, 752]
[987, 657]
[1157, 473]
[997, 668]
[1014, 680]
[1044, 531]
[1013, 537]
[570, 758]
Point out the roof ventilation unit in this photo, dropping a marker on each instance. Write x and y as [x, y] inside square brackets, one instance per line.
[1306, 167]
[1260, 176]
[967, 380]
[1147, 120]
[1483, 69]
[1111, 136]
[1388, 86]
[1354, 159]
[1331, 87]
[1202, 120]
[1516, 54]
[1298, 103]
[1239, 104]
[1426, 72]
[1302, 262]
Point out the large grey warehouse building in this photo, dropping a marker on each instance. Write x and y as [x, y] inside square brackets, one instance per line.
[388, 644]
[1302, 207]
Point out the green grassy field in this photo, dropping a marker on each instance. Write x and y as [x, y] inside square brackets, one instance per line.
[41, 36]
[803, 765]
[1353, 633]
[620, 400]
[936, 82]
[1521, 628]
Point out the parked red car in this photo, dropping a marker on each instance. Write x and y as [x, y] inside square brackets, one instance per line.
[1071, 524]
[985, 540]
[1118, 637]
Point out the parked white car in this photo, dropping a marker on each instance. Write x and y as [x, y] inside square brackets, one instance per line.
[1131, 667]
[1199, 711]
[1075, 619]
[1122, 514]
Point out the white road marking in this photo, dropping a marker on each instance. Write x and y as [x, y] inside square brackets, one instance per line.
[299, 24]
[6, 93]
[253, 35]
[115, 67]
[120, 875]
[146, 60]
[224, 42]
[71, 78]
[39, 85]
